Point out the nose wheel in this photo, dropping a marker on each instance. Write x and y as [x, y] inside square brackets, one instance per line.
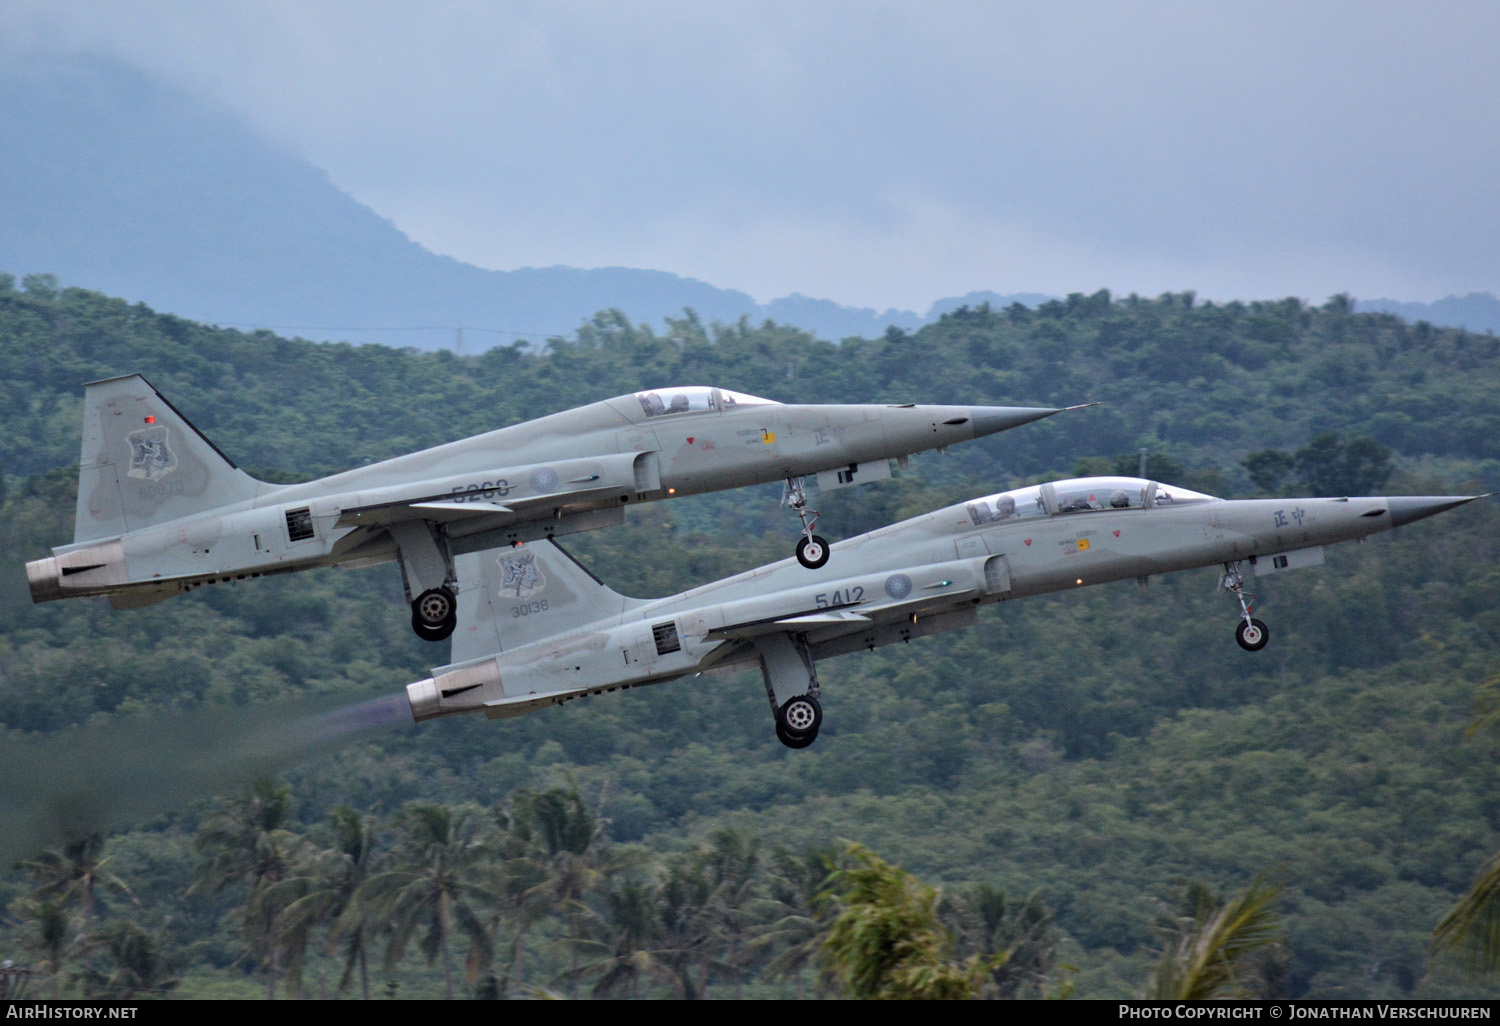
[812, 551]
[1251, 634]
[434, 614]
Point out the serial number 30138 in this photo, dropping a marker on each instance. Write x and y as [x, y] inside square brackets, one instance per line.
[528, 608]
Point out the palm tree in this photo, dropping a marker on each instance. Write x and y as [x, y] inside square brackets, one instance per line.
[795, 921]
[632, 950]
[321, 890]
[732, 863]
[51, 938]
[441, 865]
[246, 843]
[887, 940]
[139, 964]
[1471, 929]
[562, 863]
[74, 875]
[1219, 949]
[1017, 938]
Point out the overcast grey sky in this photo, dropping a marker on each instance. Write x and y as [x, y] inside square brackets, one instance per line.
[877, 154]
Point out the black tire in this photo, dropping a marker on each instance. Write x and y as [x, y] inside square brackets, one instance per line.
[429, 633]
[792, 742]
[812, 552]
[1252, 636]
[797, 721]
[434, 614]
[435, 607]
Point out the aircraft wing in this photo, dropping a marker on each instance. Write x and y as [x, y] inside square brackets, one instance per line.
[813, 620]
[445, 509]
[513, 493]
[828, 623]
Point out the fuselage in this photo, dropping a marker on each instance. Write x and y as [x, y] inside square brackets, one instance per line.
[919, 577]
[564, 472]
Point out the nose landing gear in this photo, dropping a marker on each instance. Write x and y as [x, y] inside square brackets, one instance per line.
[812, 551]
[1251, 634]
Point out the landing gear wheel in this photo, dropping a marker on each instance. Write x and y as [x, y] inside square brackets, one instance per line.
[812, 552]
[434, 614]
[792, 742]
[797, 721]
[1252, 635]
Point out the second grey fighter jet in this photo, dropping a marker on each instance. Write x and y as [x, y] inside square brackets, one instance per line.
[536, 629]
[161, 510]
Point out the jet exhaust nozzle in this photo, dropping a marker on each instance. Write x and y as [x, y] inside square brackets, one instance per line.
[44, 577]
[424, 699]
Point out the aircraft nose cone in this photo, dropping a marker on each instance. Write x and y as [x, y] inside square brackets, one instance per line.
[1406, 508]
[987, 420]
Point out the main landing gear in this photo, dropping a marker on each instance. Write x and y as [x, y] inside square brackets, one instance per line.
[1252, 634]
[797, 721]
[812, 551]
[786, 664]
[434, 614]
[427, 572]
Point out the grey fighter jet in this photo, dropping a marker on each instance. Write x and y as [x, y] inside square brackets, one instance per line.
[536, 629]
[161, 510]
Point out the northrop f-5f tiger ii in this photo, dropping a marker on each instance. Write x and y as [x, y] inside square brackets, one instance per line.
[536, 629]
[161, 510]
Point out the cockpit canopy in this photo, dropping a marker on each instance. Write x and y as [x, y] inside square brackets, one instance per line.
[1079, 495]
[663, 402]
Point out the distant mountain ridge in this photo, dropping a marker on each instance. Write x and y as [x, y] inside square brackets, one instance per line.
[1478, 311]
[117, 183]
[138, 190]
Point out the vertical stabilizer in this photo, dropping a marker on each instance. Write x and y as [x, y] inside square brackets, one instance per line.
[513, 596]
[143, 463]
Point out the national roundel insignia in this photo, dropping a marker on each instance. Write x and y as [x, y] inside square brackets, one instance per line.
[544, 480]
[898, 586]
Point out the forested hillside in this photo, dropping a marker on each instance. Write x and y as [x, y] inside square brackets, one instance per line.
[1088, 755]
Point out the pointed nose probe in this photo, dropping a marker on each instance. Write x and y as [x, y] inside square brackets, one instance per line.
[1407, 508]
[988, 420]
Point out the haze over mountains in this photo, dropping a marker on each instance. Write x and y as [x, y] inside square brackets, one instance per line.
[117, 183]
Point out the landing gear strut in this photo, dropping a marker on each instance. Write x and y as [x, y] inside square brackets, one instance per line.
[1252, 634]
[786, 664]
[427, 572]
[812, 551]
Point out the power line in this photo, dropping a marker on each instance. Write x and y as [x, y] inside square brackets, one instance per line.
[256, 326]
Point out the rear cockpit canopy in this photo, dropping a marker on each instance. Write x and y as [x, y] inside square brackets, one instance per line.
[663, 402]
[1079, 495]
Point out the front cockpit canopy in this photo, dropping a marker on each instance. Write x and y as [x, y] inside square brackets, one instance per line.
[1079, 495]
[663, 402]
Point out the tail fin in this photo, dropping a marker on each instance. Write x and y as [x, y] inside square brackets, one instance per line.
[142, 463]
[513, 596]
